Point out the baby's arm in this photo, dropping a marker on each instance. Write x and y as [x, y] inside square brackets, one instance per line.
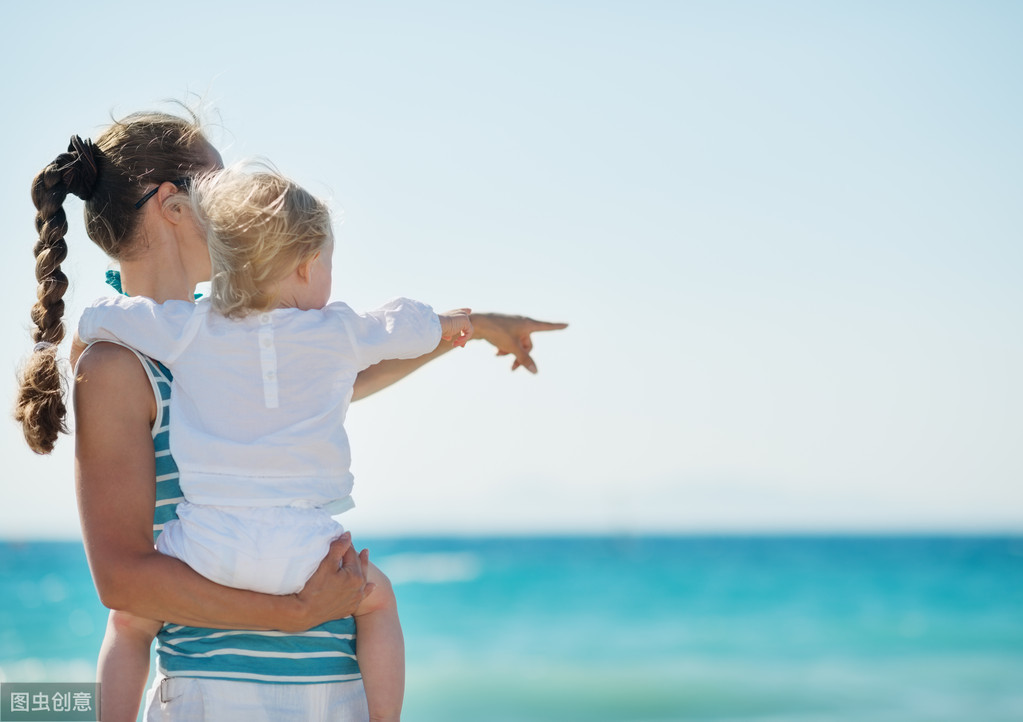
[455, 326]
[508, 334]
[400, 329]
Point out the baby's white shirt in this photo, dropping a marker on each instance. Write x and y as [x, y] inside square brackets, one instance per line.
[258, 403]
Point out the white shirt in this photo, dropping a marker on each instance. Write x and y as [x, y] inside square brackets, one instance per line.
[258, 403]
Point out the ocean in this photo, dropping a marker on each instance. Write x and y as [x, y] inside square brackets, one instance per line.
[652, 629]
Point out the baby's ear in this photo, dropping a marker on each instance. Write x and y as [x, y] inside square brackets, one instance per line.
[305, 268]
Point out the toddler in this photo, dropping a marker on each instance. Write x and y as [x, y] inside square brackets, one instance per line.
[263, 371]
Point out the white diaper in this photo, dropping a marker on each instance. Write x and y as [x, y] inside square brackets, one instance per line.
[273, 550]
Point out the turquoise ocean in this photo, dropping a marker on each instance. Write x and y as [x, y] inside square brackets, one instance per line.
[595, 629]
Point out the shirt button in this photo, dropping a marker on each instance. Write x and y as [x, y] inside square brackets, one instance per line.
[269, 375]
[267, 343]
[265, 318]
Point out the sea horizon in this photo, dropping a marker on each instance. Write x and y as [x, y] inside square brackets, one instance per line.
[894, 532]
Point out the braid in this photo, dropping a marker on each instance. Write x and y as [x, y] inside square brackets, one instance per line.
[40, 406]
[48, 193]
[110, 175]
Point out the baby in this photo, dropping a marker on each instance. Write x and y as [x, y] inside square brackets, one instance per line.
[263, 372]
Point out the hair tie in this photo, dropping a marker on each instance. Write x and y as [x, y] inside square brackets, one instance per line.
[114, 280]
[43, 346]
[81, 170]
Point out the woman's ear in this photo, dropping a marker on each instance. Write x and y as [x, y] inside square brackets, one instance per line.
[171, 200]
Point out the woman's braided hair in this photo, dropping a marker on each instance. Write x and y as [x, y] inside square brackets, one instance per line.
[109, 175]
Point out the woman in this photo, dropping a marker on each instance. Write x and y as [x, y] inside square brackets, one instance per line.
[129, 179]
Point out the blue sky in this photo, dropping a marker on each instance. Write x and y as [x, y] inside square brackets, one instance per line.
[786, 235]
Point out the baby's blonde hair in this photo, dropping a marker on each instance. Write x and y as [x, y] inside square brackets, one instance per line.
[260, 227]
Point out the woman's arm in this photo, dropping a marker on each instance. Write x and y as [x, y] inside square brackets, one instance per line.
[509, 334]
[115, 480]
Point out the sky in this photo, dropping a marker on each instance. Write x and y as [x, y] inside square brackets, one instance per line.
[787, 237]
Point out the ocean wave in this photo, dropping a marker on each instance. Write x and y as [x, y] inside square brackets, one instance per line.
[433, 568]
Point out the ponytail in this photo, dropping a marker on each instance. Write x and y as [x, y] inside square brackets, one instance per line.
[40, 405]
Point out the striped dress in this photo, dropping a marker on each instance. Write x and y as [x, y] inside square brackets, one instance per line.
[323, 654]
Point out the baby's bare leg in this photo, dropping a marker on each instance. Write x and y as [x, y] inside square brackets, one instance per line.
[381, 649]
[123, 666]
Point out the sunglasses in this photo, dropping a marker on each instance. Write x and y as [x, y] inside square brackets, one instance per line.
[182, 183]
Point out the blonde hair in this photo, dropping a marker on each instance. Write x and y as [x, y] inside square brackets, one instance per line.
[260, 227]
[110, 175]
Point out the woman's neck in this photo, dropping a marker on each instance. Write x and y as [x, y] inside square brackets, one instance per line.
[169, 258]
[161, 282]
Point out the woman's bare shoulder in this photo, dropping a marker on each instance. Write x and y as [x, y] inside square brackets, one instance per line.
[111, 373]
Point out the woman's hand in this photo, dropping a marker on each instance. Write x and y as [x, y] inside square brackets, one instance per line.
[336, 588]
[511, 335]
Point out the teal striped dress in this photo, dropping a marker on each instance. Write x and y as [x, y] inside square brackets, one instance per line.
[323, 654]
